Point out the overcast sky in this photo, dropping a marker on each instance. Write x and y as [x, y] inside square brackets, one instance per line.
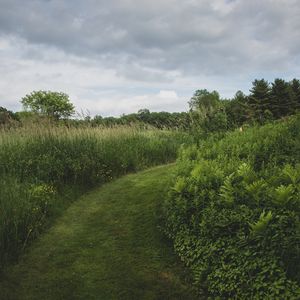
[118, 56]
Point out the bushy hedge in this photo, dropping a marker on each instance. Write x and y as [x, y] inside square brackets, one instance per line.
[233, 213]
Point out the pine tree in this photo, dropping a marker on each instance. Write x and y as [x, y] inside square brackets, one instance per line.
[295, 94]
[237, 109]
[281, 100]
[259, 100]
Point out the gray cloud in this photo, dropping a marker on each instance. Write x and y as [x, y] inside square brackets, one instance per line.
[214, 36]
[165, 44]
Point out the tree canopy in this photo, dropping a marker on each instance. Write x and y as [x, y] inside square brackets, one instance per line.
[204, 102]
[52, 104]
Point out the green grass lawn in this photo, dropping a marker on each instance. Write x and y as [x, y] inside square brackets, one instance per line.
[106, 246]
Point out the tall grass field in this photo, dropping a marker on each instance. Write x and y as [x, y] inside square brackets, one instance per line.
[43, 168]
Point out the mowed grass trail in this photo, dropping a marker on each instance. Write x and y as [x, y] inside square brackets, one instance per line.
[106, 246]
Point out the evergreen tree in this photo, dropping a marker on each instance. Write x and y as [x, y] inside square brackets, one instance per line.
[236, 109]
[259, 100]
[281, 100]
[295, 94]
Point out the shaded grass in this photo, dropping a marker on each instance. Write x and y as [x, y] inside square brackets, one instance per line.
[106, 246]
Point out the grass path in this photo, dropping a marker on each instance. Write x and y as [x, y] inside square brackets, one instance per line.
[106, 246]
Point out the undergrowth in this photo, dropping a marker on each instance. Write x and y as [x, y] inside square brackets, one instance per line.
[233, 213]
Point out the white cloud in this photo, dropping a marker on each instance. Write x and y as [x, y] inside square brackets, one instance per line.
[116, 104]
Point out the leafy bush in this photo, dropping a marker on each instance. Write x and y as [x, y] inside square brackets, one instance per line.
[233, 213]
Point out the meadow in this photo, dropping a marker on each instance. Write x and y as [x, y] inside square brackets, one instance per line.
[43, 168]
[231, 212]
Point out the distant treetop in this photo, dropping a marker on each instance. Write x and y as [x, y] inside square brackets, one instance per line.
[56, 105]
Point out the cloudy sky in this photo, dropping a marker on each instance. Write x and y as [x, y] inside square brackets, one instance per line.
[118, 56]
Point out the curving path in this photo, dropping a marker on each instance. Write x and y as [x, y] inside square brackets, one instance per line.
[106, 246]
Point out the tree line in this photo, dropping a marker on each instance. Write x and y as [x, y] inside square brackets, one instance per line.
[266, 101]
[208, 112]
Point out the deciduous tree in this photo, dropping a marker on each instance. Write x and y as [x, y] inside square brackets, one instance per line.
[52, 104]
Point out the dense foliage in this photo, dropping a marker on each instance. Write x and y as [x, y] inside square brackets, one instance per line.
[233, 212]
[41, 169]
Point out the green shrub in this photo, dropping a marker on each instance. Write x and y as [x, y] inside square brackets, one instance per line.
[234, 213]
